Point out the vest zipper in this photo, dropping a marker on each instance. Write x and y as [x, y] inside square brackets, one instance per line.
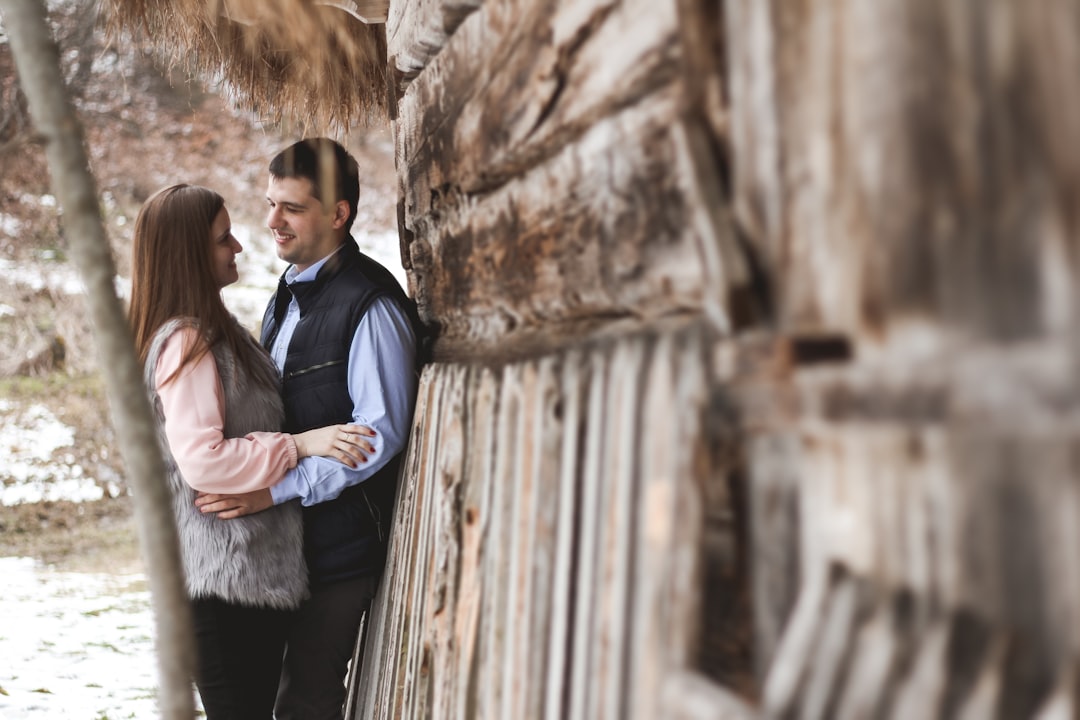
[313, 368]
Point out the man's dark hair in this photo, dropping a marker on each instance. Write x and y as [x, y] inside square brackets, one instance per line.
[325, 163]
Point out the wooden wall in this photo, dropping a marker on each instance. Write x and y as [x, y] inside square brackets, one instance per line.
[740, 303]
[547, 558]
[906, 171]
[566, 544]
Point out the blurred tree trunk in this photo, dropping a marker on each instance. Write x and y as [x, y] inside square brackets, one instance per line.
[37, 60]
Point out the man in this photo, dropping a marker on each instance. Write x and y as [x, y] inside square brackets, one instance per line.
[343, 334]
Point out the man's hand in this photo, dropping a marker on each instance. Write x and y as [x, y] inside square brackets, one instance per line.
[227, 507]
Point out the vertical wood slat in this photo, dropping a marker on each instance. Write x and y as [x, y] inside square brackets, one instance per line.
[382, 646]
[412, 683]
[475, 511]
[775, 518]
[876, 652]
[448, 547]
[656, 526]
[381, 653]
[692, 391]
[547, 542]
[564, 617]
[523, 480]
[592, 481]
[924, 685]
[670, 510]
[528, 608]
[615, 529]
[546, 433]
[498, 551]
[411, 598]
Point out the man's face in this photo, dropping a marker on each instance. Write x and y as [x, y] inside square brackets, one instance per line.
[305, 229]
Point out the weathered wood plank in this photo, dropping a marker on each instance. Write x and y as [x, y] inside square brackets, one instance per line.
[797, 646]
[548, 434]
[416, 30]
[962, 497]
[650, 652]
[531, 620]
[564, 616]
[498, 566]
[592, 478]
[447, 538]
[668, 544]
[877, 652]
[546, 558]
[518, 546]
[476, 509]
[595, 200]
[846, 610]
[922, 691]
[555, 183]
[518, 81]
[383, 654]
[381, 643]
[1004, 526]
[942, 198]
[616, 529]
[775, 522]
[593, 236]
[864, 490]
[511, 568]
[414, 678]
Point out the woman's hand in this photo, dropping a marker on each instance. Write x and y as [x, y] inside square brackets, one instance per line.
[344, 443]
[227, 507]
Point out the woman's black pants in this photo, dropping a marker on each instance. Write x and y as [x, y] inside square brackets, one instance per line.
[239, 650]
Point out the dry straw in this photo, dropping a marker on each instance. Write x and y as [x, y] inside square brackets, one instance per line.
[311, 64]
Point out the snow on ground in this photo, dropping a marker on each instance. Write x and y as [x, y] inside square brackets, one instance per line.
[74, 645]
[57, 277]
[29, 439]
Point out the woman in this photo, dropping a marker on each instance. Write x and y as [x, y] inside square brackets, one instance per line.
[216, 397]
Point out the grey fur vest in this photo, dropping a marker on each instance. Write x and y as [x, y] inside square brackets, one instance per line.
[254, 560]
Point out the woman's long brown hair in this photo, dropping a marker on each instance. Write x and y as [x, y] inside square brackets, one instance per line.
[172, 275]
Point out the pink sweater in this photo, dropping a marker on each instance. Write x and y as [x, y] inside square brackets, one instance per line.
[193, 403]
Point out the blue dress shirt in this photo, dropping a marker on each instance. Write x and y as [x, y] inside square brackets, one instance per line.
[382, 385]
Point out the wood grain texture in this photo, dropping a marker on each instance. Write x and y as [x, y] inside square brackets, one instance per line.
[875, 206]
[557, 174]
[518, 82]
[416, 30]
[544, 562]
[595, 237]
[909, 158]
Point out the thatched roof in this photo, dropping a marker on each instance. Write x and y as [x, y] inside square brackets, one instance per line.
[315, 63]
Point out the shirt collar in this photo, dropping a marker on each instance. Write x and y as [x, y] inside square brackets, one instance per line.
[292, 276]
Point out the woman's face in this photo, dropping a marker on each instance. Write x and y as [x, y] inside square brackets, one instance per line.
[223, 250]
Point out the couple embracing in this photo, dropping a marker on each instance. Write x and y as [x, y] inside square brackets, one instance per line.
[282, 458]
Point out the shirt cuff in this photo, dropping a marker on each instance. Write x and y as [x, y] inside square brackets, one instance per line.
[288, 488]
[290, 449]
